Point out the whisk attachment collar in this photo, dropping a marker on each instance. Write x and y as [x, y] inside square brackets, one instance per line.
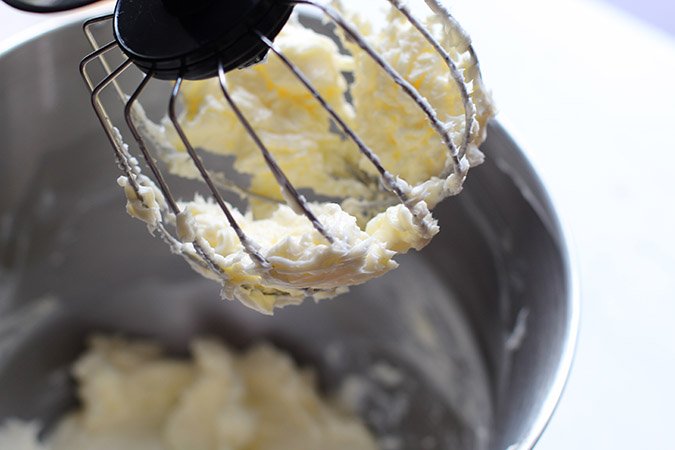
[175, 38]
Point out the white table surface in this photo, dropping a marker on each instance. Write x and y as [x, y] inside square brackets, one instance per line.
[590, 93]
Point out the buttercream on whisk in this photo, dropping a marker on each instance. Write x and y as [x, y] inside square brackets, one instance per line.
[369, 226]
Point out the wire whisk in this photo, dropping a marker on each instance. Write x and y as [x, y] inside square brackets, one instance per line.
[258, 26]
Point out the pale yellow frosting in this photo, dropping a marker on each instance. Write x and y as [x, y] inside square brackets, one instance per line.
[133, 397]
[370, 226]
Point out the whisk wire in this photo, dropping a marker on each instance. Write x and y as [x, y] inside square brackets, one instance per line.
[122, 156]
[450, 23]
[292, 195]
[128, 116]
[469, 107]
[87, 27]
[163, 186]
[94, 20]
[91, 57]
[107, 125]
[388, 180]
[251, 247]
[406, 86]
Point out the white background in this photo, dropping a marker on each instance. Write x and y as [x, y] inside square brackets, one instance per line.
[590, 93]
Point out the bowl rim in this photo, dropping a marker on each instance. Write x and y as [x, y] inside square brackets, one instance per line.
[571, 270]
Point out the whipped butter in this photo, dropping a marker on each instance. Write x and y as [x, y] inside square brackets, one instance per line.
[369, 225]
[134, 397]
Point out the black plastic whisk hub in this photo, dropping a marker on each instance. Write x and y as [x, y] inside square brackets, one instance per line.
[190, 38]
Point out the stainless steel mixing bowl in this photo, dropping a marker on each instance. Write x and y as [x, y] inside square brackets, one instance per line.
[482, 323]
